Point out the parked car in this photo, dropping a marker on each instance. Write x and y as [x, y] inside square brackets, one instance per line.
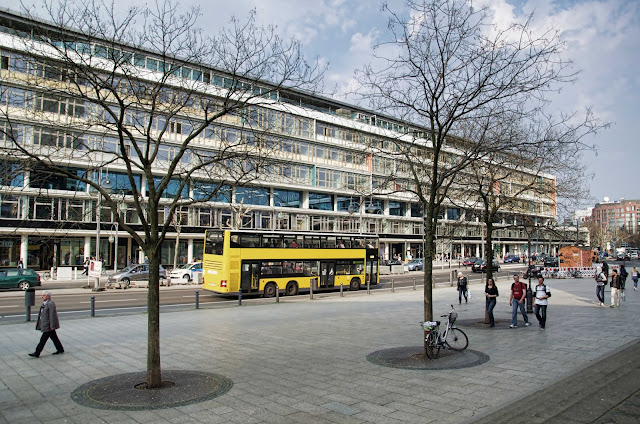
[551, 262]
[511, 259]
[481, 266]
[136, 272]
[18, 278]
[633, 255]
[623, 257]
[470, 261]
[187, 271]
[415, 265]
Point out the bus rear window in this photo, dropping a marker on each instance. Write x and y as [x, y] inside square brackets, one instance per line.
[214, 244]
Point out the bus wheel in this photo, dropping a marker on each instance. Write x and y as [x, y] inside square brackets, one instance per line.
[270, 289]
[355, 284]
[291, 289]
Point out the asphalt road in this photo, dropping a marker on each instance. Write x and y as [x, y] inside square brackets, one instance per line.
[72, 299]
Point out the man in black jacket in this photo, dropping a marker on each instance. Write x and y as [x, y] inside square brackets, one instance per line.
[616, 285]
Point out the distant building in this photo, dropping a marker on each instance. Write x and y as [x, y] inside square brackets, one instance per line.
[618, 215]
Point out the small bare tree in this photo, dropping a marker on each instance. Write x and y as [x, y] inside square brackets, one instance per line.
[143, 99]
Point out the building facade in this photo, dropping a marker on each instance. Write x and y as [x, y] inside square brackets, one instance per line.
[331, 170]
[618, 215]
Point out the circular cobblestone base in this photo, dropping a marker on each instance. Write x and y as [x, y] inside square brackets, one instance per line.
[500, 323]
[127, 392]
[414, 358]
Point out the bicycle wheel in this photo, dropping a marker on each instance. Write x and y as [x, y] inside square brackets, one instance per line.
[433, 347]
[457, 340]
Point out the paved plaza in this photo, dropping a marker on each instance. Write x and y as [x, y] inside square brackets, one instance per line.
[303, 361]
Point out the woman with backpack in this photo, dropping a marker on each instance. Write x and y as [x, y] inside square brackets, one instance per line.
[623, 280]
[462, 288]
[634, 277]
[601, 281]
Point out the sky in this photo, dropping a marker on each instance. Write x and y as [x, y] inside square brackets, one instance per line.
[602, 39]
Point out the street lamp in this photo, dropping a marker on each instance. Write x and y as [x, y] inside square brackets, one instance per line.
[106, 185]
[529, 226]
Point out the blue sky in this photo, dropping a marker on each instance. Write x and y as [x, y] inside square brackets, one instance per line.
[602, 36]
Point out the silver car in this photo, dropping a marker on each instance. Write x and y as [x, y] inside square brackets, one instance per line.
[136, 272]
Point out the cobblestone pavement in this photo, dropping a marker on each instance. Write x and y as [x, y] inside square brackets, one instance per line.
[302, 361]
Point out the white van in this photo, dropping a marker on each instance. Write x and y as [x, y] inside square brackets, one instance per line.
[187, 271]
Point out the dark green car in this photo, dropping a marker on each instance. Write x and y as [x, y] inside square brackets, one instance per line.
[18, 278]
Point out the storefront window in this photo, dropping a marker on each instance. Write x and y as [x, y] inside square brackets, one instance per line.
[9, 251]
[168, 249]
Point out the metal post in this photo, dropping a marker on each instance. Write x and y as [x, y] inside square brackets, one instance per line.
[393, 285]
[277, 294]
[239, 297]
[341, 290]
[28, 313]
[414, 283]
[369, 286]
[529, 298]
[93, 306]
[311, 288]
[197, 299]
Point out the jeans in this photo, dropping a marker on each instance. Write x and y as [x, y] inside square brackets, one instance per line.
[541, 314]
[615, 296]
[462, 291]
[491, 303]
[514, 313]
[635, 282]
[600, 293]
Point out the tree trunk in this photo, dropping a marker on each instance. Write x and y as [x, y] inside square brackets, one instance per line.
[154, 377]
[428, 271]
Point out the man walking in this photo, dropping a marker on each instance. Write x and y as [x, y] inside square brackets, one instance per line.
[601, 280]
[516, 300]
[48, 323]
[542, 294]
[616, 285]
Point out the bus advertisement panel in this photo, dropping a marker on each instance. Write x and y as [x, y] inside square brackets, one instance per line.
[263, 262]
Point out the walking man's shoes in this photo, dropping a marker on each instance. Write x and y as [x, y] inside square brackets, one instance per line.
[58, 352]
[34, 355]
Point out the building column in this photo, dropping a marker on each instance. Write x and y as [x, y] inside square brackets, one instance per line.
[504, 249]
[24, 250]
[189, 250]
[87, 247]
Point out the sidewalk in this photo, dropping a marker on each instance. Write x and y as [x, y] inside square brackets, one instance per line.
[303, 361]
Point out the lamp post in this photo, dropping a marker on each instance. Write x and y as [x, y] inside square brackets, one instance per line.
[529, 228]
[105, 184]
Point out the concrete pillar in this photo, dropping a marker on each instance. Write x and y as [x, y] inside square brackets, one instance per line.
[24, 250]
[87, 247]
[190, 250]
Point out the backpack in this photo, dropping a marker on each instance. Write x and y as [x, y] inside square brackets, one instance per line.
[623, 272]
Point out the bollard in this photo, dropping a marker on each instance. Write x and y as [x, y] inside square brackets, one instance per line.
[239, 297]
[93, 306]
[277, 294]
[311, 289]
[341, 291]
[414, 283]
[29, 301]
[393, 285]
[197, 299]
[369, 286]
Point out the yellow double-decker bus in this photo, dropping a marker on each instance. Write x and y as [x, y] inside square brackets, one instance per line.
[262, 262]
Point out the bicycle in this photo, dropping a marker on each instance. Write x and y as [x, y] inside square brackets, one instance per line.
[47, 275]
[450, 338]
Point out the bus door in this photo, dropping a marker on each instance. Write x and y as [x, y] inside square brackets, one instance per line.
[327, 274]
[371, 272]
[250, 277]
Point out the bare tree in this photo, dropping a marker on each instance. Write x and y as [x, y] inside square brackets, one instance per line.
[447, 69]
[145, 96]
